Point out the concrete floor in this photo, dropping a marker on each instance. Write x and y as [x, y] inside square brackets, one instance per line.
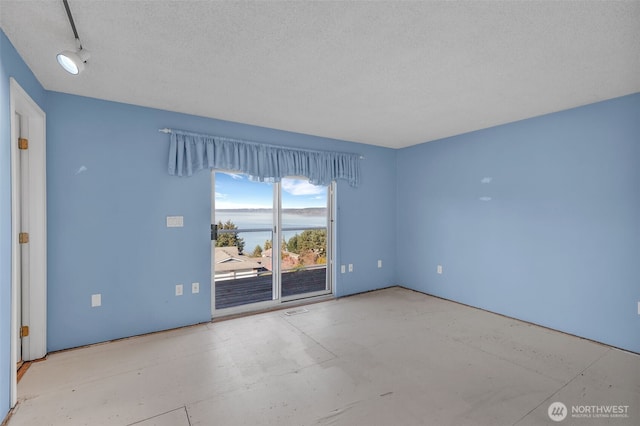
[390, 357]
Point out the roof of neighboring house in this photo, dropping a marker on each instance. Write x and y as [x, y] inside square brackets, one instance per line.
[288, 259]
[267, 253]
[227, 259]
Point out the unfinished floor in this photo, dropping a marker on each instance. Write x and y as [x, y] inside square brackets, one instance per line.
[390, 357]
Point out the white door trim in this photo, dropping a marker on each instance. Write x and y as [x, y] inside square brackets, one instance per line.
[35, 296]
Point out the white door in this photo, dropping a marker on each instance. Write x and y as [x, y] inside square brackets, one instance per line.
[23, 219]
[19, 207]
[28, 231]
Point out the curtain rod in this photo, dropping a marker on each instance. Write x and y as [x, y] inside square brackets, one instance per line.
[167, 130]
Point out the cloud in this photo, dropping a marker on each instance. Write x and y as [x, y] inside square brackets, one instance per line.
[220, 196]
[236, 176]
[301, 187]
[487, 179]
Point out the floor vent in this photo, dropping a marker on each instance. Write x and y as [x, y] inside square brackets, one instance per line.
[296, 312]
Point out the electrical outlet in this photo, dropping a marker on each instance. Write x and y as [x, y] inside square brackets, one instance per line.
[195, 287]
[351, 267]
[379, 263]
[439, 269]
[343, 269]
[178, 289]
[96, 300]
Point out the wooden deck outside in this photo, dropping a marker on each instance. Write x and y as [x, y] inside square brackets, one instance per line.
[243, 291]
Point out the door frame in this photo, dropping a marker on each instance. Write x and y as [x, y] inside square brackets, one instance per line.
[280, 301]
[34, 295]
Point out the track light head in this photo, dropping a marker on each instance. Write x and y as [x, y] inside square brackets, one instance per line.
[73, 62]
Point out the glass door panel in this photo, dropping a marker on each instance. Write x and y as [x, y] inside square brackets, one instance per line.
[242, 259]
[305, 244]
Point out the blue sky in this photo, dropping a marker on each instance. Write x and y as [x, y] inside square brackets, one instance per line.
[236, 191]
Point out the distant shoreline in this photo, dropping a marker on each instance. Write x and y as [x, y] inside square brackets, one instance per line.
[309, 211]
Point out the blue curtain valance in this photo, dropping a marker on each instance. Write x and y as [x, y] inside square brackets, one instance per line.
[191, 152]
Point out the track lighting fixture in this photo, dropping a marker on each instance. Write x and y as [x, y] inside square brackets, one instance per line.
[73, 62]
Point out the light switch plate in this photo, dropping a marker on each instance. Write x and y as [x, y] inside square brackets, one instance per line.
[178, 289]
[96, 300]
[195, 287]
[175, 221]
[439, 269]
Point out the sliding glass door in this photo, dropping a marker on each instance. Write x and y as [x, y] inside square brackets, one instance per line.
[271, 242]
[304, 221]
[242, 229]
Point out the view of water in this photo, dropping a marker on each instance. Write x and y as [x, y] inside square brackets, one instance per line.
[264, 219]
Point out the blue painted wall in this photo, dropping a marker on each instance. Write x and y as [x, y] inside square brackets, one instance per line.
[552, 235]
[11, 65]
[557, 244]
[108, 197]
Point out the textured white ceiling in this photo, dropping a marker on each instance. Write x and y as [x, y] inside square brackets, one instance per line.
[384, 73]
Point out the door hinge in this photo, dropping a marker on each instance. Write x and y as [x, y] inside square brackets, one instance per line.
[24, 331]
[23, 143]
[23, 237]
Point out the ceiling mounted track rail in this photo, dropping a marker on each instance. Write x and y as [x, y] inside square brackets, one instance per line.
[73, 24]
